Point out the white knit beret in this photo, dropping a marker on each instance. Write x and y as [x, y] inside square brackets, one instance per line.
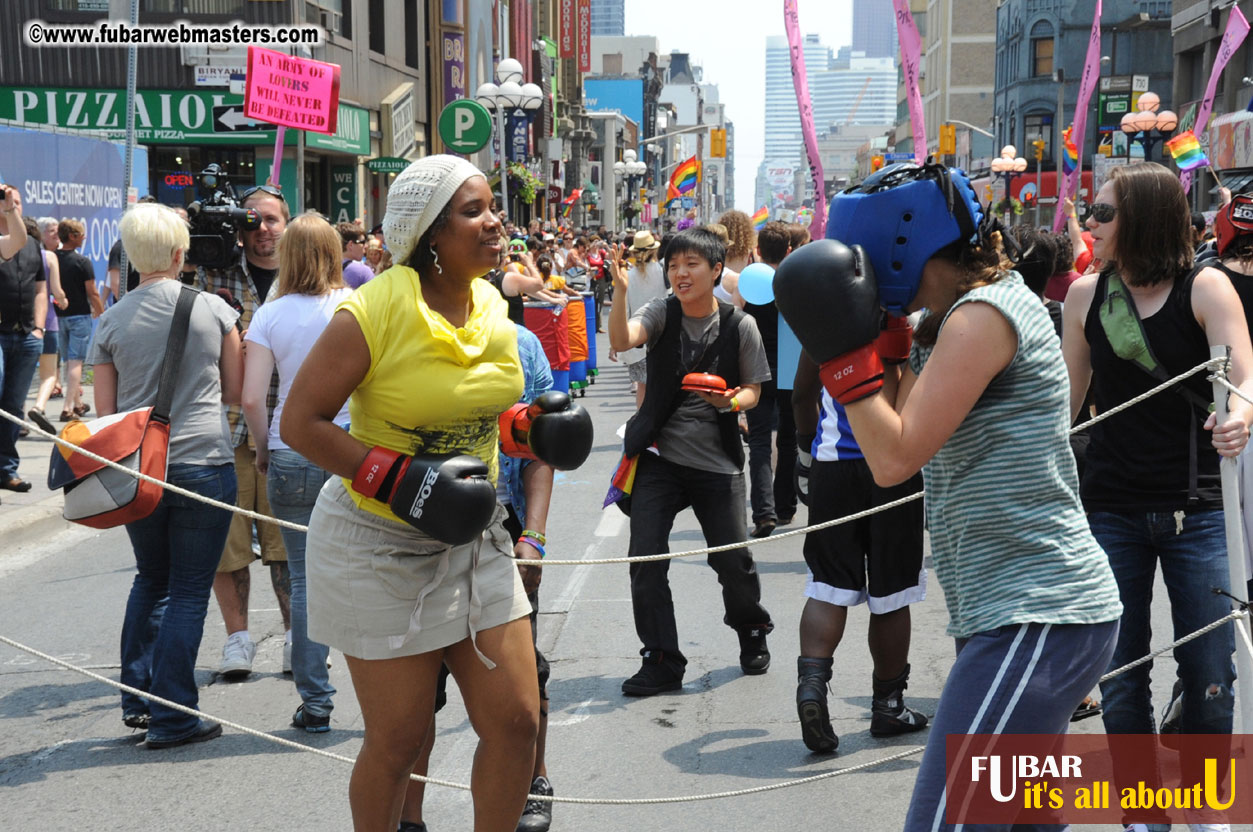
[417, 196]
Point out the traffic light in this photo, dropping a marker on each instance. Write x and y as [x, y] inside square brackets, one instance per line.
[1038, 144]
[987, 193]
[948, 140]
[876, 162]
[718, 143]
[1028, 199]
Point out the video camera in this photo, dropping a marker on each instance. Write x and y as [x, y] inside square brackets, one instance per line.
[216, 222]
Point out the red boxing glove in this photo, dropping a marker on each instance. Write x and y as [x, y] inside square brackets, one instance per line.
[853, 376]
[551, 429]
[375, 478]
[895, 339]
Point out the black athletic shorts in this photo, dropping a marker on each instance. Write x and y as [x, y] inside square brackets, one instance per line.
[887, 545]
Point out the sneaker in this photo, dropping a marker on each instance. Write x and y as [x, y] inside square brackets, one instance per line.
[889, 714]
[312, 723]
[653, 677]
[538, 814]
[1172, 717]
[754, 657]
[762, 529]
[207, 731]
[287, 658]
[139, 721]
[237, 656]
[410, 826]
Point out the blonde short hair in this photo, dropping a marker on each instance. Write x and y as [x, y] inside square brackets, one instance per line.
[153, 235]
[310, 257]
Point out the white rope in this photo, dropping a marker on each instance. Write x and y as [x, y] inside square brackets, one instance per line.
[1233, 615]
[1214, 365]
[1221, 378]
[607, 801]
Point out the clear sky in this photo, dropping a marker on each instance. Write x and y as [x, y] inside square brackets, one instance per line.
[728, 39]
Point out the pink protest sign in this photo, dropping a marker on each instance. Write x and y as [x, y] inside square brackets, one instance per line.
[292, 92]
[1237, 29]
[1091, 69]
[818, 228]
[911, 59]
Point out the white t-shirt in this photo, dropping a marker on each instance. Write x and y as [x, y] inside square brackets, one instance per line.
[643, 284]
[288, 327]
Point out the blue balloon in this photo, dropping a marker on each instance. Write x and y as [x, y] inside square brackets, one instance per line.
[757, 284]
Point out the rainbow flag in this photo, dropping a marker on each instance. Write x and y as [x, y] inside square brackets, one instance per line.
[684, 179]
[1186, 151]
[1070, 159]
[568, 202]
[761, 218]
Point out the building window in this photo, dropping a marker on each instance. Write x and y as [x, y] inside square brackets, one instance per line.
[411, 35]
[1037, 126]
[234, 7]
[1042, 46]
[335, 16]
[378, 27]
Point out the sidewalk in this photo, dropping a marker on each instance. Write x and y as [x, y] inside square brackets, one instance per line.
[37, 513]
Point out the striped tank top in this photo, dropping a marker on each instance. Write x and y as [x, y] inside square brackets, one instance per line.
[1009, 539]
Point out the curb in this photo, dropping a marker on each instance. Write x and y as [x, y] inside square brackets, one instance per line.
[25, 524]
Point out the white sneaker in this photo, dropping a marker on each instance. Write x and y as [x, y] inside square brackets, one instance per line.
[237, 656]
[287, 657]
[1209, 827]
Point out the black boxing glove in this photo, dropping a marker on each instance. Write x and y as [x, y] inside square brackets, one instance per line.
[551, 429]
[827, 293]
[447, 496]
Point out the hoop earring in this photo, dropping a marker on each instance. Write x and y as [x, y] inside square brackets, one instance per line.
[435, 254]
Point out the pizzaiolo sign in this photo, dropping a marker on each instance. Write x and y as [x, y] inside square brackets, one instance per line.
[163, 116]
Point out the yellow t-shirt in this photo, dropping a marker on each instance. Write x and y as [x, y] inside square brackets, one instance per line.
[556, 283]
[431, 387]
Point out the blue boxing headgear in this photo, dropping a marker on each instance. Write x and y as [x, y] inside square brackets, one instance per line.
[902, 215]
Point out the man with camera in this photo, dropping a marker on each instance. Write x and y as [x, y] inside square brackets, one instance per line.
[248, 280]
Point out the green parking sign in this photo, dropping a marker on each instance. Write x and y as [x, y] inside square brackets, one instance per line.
[465, 126]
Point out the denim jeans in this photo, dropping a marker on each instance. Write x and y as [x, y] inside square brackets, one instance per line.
[74, 336]
[19, 355]
[663, 489]
[773, 494]
[177, 549]
[1194, 562]
[292, 485]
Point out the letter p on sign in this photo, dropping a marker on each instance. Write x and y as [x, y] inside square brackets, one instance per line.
[465, 126]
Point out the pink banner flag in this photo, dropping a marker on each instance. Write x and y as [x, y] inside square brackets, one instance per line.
[1237, 28]
[911, 58]
[818, 228]
[1091, 71]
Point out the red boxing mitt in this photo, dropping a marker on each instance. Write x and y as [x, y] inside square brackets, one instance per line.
[704, 383]
[894, 340]
[852, 376]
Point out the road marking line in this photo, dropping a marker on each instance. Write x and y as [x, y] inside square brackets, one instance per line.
[581, 713]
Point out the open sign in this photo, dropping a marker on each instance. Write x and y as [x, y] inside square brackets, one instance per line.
[178, 181]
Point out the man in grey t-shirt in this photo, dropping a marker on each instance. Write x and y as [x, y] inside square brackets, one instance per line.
[696, 458]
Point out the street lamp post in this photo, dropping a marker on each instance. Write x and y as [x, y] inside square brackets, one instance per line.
[1006, 165]
[1147, 124]
[507, 94]
[631, 171]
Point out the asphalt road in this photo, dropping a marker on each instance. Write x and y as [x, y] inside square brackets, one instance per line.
[67, 762]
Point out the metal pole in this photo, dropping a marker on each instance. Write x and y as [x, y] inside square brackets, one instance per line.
[132, 56]
[1058, 147]
[500, 124]
[1235, 547]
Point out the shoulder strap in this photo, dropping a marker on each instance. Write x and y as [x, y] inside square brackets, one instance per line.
[174, 348]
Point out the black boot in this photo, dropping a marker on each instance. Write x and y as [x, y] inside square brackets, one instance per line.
[888, 714]
[812, 676]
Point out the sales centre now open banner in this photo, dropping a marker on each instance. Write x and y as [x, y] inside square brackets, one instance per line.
[291, 92]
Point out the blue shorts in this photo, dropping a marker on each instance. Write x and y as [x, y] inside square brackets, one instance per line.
[52, 342]
[75, 336]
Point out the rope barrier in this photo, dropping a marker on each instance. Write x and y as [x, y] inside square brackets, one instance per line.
[433, 781]
[1215, 366]
[604, 801]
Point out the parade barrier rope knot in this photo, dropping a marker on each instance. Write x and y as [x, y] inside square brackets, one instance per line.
[1216, 367]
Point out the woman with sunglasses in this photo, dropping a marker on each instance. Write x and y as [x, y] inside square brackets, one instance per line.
[979, 404]
[1151, 482]
[408, 563]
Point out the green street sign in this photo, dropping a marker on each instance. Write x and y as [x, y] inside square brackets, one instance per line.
[465, 126]
[387, 164]
[352, 133]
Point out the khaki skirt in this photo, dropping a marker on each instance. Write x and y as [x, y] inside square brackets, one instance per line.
[380, 589]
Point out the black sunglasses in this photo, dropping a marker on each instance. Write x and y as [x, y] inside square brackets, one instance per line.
[272, 190]
[1103, 211]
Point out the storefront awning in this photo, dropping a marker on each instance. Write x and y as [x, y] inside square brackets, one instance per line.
[1235, 181]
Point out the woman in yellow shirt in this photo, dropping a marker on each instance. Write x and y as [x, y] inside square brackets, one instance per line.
[427, 359]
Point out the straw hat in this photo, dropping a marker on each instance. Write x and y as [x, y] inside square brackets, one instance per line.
[644, 241]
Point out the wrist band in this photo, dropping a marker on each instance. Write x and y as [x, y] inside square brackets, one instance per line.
[538, 537]
[735, 405]
[539, 547]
